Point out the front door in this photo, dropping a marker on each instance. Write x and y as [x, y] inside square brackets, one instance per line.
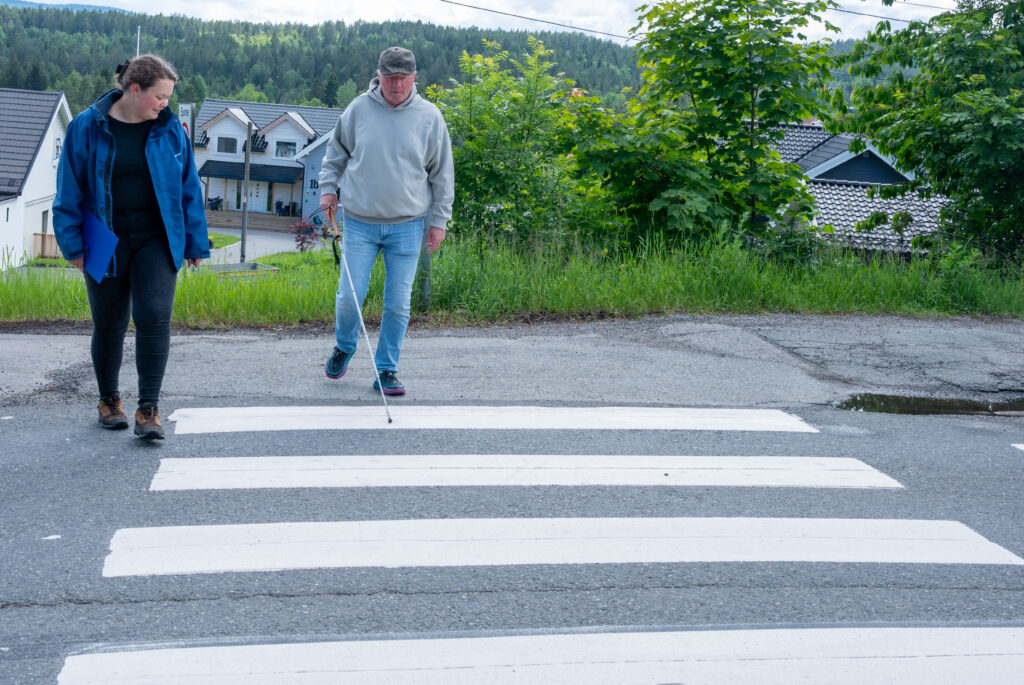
[257, 196]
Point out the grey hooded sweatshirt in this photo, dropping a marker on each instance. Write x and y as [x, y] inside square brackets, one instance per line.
[391, 164]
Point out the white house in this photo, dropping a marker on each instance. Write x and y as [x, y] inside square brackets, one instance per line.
[280, 133]
[32, 128]
[312, 160]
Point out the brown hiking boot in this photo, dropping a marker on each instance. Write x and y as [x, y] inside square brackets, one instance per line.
[112, 413]
[147, 424]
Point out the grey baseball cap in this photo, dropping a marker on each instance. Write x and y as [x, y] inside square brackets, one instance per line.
[397, 61]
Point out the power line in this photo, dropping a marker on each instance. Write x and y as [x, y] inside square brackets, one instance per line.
[616, 35]
[918, 4]
[541, 21]
[879, 16]
[866, 14]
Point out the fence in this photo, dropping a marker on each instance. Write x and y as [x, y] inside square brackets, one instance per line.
[45, 245]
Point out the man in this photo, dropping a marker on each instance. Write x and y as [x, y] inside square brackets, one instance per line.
[390, 161]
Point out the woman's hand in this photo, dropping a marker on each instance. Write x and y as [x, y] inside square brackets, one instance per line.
[195, 262]
[78, 263]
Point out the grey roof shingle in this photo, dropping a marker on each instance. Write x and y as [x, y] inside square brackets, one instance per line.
[320, 119]
[799, 139]
[842, 204]
[824, 151]
[24, 118]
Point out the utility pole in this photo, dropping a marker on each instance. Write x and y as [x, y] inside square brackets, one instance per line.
[423, 273]
[245, 187]
[138, 39]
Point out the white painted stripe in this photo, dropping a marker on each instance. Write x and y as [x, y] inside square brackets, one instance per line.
[215, 473]
[1020, 447]
[499, 542]
[232, 419]
[839, 656]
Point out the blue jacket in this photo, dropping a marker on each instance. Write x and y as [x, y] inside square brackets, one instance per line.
[86, 166]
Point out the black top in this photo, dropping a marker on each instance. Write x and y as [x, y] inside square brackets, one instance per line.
[131, 184]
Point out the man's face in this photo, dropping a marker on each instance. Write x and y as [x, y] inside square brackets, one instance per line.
[396, 88]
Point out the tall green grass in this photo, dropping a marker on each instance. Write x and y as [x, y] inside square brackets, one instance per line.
[470, 285]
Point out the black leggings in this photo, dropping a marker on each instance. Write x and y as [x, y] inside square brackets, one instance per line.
[142, 290]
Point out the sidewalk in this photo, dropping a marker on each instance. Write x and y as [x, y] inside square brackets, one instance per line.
[727, 361]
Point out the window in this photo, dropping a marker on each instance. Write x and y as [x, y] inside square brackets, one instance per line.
[285, 149]
[46, 220]
[227, 145]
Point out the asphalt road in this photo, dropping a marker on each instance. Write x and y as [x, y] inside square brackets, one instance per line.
[67, 487]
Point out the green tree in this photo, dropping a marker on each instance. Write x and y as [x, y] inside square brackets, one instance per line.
[645, 166]
[331, 90]
[346, 93]
[250, 94]
[191, 89]
[515, 181]
[721, 77]
[952, 116]
[35, 79]
[694, 153]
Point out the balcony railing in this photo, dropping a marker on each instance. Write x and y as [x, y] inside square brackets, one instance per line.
[45, 245]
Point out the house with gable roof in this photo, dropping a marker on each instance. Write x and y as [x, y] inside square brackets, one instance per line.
[32, 127]
[839, 181]
[312, 160]
[277, 176]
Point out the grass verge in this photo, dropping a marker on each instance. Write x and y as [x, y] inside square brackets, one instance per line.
[221, 240]
[471, 286]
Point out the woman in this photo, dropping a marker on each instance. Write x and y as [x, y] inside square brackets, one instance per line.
[127, 160]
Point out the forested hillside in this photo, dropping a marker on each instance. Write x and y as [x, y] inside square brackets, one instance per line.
[76, 51]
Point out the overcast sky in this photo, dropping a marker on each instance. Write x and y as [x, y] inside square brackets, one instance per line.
[609, 16]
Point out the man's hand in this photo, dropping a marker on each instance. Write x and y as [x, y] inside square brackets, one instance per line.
[435, 236]
[78, 263]
[329, 202]
[195, 262]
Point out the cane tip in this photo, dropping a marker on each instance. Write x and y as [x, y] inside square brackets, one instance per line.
[389, 420]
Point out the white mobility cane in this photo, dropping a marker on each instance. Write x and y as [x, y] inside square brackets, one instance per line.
[359, 310]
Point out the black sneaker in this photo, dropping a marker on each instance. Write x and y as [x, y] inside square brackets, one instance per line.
[112, 414]
[147, 423]
[337, 364]
[392, 386]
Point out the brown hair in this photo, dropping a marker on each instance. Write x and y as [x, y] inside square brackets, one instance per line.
[144, 70]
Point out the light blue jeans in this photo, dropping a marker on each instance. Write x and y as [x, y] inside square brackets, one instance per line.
[399, 246]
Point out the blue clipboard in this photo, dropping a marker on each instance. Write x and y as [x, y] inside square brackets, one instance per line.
[99, 243]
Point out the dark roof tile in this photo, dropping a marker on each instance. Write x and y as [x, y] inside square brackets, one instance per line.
[24, 118]
[799, 139]
[842, 204]
[824, 151]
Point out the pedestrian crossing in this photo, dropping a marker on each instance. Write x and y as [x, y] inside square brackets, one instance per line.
[838, 656]
[234, 419]
[843, 654]
[482, 470]
[520, 541]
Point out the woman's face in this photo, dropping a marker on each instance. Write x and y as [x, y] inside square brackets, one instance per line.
[147, 103]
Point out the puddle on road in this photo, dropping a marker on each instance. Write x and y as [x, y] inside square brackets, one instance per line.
[897, 404]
